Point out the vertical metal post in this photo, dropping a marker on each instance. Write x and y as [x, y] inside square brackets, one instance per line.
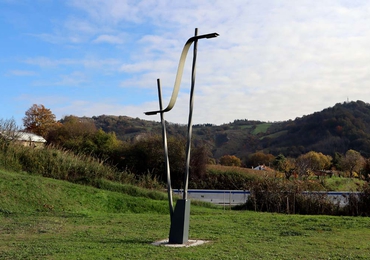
[190, 126]
[166, 159]
[179, 230]
[230, 200]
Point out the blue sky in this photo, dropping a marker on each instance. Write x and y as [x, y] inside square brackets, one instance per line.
[273, 60]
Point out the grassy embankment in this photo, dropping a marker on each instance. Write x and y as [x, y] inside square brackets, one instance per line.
[43, 218]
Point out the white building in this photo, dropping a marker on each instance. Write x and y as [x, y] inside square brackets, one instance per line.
[26, 139]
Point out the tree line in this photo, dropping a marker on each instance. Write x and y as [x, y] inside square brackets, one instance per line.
[144, 155]
[350, 164]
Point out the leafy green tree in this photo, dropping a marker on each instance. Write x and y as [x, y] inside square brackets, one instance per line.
[285, 165]
[200, 157]
[337, 158]
[71, 133]
[279, 162]
[146, 155]
[100, 144]
[81, 136]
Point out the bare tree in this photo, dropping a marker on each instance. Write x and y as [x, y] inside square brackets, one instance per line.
[9, 131]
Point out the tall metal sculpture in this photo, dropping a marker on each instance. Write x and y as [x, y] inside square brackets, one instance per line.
[179, 230]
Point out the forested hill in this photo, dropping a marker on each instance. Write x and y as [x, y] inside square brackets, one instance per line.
[335, 129]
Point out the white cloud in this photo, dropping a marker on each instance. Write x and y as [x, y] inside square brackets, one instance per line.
[108, 11]
[273, 60]
[21, 73]
[104, 38]
[92, 63]
[47, 62]
[76, 79]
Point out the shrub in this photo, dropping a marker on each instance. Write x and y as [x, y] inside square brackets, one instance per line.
[58, 164]
[359, 203]
[147, 156]
[272, 195]
[230, 160]
[223, 178]
[292, 197]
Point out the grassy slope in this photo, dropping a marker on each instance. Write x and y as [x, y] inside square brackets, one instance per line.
[88, 223]
[26, 193]
[261, 128]
[343, 184]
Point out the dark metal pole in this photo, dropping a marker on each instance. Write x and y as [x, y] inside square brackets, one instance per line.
[190, 126]
[166, 159]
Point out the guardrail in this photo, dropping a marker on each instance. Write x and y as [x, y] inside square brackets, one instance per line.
[223, 197]
[236, 197]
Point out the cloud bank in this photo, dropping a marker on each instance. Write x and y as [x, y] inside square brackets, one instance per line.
[273, 60]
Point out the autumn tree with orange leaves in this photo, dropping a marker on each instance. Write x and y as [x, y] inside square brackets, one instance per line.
[230, 160]
[39, 120]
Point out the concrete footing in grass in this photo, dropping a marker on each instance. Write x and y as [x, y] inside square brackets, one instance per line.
[190, 243]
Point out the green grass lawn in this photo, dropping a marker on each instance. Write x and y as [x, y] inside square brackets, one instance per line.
[246, 126]
[232, 235]
[343, 184]
[275, 135]
[261, 128]
[42, 218]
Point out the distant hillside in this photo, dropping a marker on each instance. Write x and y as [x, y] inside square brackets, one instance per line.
[336, 129]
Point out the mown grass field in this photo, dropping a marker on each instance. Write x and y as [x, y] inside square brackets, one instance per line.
[43, 218]
[261, 128]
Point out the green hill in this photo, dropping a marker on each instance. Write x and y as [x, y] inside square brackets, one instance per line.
[336, 129]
